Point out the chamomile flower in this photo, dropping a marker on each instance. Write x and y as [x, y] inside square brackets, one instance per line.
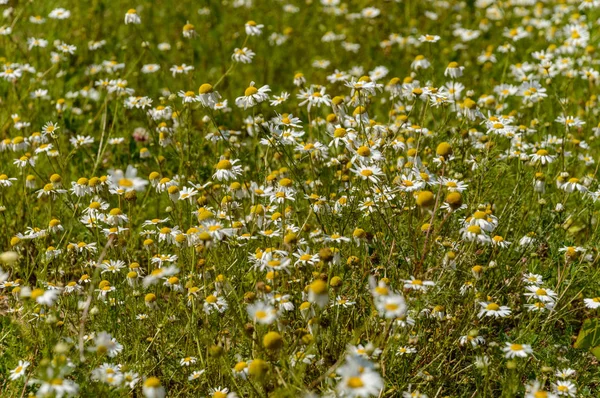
[512, 350]
[541, 294]
[20, 370]
[418, 284]
[592, 303]
[253, 29]
[565, 388]
[542, 156]
[227, 170]
[132, 17]
[243, 55]
[262, 313]
[253, 96]
[491, 309]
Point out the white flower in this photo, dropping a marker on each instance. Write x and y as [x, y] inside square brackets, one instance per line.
[516, 350]
[227, 170]
[493, 309]
[391, 306]
[541, 294]
[417, 284]
[59, 13]
[262, 313]
[359, 378]
[253, 96]
[592, 303]
[253, 29]
[19, 371]
[429, 38]
[132, 17]
[128, 181]
[195, 375]
[565, 388]
[243, 55]
[153, 389]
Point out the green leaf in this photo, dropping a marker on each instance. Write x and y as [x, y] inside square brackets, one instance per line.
[596, 351]
[589, 335]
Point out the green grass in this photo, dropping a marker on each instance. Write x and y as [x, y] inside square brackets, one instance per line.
[392, 231]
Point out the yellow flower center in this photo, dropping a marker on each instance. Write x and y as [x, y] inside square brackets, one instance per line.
[152, 382]
[250, 91]
[363, 151]
[125, 182]
[355, 382]
[224, 164]
[474, 229]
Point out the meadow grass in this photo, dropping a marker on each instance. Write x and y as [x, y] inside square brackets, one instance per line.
[299, 198]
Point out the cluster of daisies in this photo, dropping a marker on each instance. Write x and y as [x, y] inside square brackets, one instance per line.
[409, 213]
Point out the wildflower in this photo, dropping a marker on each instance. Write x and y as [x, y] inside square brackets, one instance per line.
[417, 284]
[359, 379]
[207, 96]
[132, 17]
[153, 389]
[371, 173]
[454, 70]
[262, 313]
[565, 373]
[541, 294]
[535, 390]
[20, 370]
[44, 297]
[516, 350]
[195, 375]
[181, 69]
[214, 302]
[592, 303]
[243, 55]
[406, 350]
[253, 29]
[57, 386]
[474, 233]
[187, 361]
[542, 156]
[227, 170]
[565, 388]
[429, 38]
[317, 293]
[492, 309]
[240, 370]
[253, 96]
[126, 181]
[392, 306]
[189, 31]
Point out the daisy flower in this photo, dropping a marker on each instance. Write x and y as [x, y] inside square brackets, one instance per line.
[227, 170]
[19, 371]
[491, 309]
[592, 303]
[253, 96]
[132, 17]
[243, 55]
[565, 388]
[417, 284]
[516, 350]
